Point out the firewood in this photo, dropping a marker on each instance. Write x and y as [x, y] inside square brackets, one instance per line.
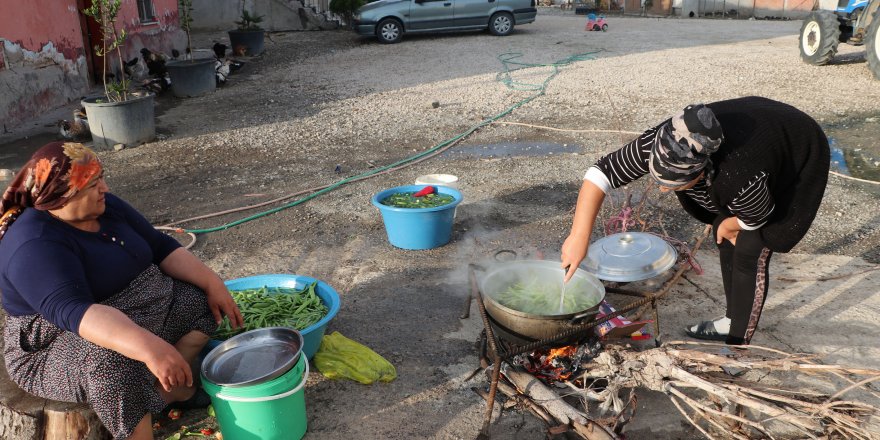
[693, 380]
[566, 414]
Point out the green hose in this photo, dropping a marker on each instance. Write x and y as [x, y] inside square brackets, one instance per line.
[508, 60]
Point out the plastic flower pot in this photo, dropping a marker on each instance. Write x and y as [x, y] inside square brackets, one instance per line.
[190, 78]
[130, 122]
[312, 334]
[248, 42]
[418, 228]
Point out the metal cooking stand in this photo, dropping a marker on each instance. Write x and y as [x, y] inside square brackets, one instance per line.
[501, 351]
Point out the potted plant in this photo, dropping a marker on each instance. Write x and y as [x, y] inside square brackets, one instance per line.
[119, 116]
[346, 8]
[248, 38]
[190, 77]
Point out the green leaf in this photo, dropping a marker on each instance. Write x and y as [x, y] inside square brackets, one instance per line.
[211, 412]
[175, 436]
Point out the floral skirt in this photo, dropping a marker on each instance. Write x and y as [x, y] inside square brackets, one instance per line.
[49, 362]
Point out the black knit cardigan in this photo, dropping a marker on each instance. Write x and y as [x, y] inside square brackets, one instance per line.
[765, 135]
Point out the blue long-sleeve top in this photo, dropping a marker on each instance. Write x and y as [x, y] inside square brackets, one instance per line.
[56, 270]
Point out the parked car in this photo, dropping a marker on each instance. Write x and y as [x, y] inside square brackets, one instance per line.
[388, 20]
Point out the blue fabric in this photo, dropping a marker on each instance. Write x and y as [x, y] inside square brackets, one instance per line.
[51, 268]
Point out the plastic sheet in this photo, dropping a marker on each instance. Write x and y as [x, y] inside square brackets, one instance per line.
[342, 358]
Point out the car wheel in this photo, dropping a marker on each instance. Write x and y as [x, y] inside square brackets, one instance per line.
[604, 28]
[389, 31]
[501, 24]
[596, 28]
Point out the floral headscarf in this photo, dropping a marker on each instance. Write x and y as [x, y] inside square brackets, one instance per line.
[53, 175]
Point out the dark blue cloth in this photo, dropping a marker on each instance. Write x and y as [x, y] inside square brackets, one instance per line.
[51, 268]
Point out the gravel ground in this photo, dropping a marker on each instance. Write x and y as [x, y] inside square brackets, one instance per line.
[315, 101]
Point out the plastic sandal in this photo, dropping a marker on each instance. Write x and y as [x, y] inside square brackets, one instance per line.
[706, 330]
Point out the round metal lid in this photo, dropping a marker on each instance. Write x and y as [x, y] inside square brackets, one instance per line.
[253, 357]
[630, 256]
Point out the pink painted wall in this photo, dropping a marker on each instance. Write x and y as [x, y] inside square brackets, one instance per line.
[782, 7]
[34, 23]
[161, 36]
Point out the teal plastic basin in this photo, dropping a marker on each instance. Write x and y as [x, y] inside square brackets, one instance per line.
[312, 334]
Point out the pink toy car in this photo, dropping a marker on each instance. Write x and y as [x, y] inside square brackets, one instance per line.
[596, 23]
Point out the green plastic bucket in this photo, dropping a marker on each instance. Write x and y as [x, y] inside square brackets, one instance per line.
[280, 384]
[253, 415]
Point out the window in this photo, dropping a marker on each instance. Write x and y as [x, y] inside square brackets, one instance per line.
[146, 12]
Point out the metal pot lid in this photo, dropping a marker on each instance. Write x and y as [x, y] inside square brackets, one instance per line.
[253, 357]
[630, 256]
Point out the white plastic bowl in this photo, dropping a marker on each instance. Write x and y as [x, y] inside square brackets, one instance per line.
[447, 180]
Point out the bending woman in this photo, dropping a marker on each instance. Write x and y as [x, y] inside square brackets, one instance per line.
[752, 167]
[102, 308]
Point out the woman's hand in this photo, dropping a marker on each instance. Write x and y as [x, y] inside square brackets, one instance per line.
[221, 304]
[573, 252]
[728, 230]
[110, 328]
[184, 266]
[574, 249]
[168, 365]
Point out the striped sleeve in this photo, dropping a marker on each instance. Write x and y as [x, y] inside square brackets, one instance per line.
[754, 204]
[624, 165]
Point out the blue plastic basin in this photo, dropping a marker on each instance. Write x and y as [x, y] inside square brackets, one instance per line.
[418, 228]
[312, 334]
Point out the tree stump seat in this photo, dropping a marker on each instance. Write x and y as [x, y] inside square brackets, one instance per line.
[24, 416]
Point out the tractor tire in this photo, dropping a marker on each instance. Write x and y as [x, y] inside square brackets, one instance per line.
[872, 45]
[820, 35]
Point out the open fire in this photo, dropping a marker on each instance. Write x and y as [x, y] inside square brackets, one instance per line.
[559, 363]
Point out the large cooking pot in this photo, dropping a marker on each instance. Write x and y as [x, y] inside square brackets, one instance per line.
[546, 277]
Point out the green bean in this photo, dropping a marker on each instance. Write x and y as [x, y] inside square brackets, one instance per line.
[406, 200]
[275, 307]
[542, 298]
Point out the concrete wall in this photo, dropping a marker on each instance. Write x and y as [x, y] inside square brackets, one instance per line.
[278, 15]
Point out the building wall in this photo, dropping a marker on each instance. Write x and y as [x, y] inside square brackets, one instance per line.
[43, 59]
[792, 9]
[659, 8]
[161, 36]
[783, 8]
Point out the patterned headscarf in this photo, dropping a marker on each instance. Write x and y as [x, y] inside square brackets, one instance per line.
[53, 175]
[683, 145]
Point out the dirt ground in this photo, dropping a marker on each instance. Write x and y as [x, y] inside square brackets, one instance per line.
[318, 107]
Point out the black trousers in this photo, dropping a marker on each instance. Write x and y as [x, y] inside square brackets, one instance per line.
[746, 277]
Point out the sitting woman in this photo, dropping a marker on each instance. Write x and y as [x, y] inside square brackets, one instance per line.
[102, 308]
